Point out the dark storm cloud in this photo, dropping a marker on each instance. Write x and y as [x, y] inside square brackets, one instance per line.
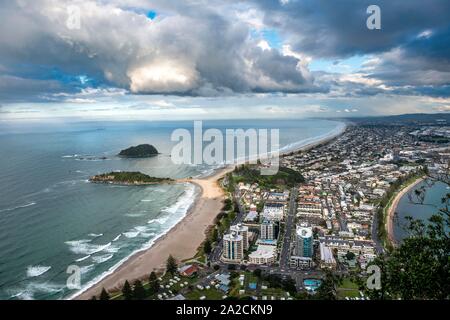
[190, 50]
[413, 44]
[423, 63]
[19, 89]
[338, 28]
[201, 48]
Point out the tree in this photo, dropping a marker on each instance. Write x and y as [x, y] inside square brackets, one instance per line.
[138, 290]
[93, 298]
[207, 247]
[257, 273]
[289, 285]
[152, 277]
[327, 290]
[171, 265]
[274, 280]
[349, 255]
[228, 205]
[214, 235]
[153, 283]
[127, 291]
[104, 295]
[419, 267]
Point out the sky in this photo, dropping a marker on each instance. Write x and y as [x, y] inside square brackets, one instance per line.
[198, 59]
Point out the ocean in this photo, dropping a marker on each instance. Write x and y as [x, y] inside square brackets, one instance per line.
[408, 206]
[51, 217]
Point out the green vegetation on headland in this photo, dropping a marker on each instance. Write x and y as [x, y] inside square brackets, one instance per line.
[127, 178]
[434, 139]
[252, 174]
[140, 151]
[419, 267]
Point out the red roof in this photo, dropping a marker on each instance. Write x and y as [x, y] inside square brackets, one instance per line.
[190, 270]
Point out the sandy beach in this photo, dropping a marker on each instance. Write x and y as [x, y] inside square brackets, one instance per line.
[393, 208]
[183, 240]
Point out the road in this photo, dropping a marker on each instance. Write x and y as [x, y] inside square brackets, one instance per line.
[290, 221]
[214, 256]
[376, 239]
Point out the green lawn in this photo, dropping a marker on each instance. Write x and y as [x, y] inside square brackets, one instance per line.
[348, 288]
[276, 292]
[210, 294]
[341, 293]
[347, 283]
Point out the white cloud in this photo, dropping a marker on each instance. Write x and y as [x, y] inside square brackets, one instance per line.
[163, 76]
[264, 45]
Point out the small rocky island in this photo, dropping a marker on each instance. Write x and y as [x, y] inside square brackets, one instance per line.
[128, 178]
[140, 151]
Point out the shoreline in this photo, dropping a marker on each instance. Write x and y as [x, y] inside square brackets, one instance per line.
[192, 226]
[393, 207]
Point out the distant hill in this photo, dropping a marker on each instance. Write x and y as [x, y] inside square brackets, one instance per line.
[406, 119]
[140, 151]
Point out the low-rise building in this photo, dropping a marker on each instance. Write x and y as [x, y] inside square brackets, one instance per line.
[264, 254]
[326, 257]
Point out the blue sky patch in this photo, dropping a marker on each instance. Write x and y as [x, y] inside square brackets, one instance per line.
[151, 14]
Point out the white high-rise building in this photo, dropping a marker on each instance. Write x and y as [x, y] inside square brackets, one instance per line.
[304, 247]
[233, 247]
[242, 231]
[267, 230]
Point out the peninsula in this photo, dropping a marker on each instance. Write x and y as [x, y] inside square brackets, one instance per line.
[128, 178]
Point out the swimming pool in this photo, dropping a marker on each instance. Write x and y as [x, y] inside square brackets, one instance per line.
[311, 284]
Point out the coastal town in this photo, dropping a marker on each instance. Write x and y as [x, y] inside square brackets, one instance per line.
[327, 211]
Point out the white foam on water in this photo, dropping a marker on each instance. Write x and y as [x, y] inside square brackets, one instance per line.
[160, 220]
[117, 238]
[19, 207]
[36, 271]
[131, 234]
[34, 288]
[140, 228]
[102, 258]
[85, 247]
[86, 269]
[146, 200]
[134, 215]
[112, 249]
[95, 235]
[84, 258]
[187, 199]
[147, 234]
